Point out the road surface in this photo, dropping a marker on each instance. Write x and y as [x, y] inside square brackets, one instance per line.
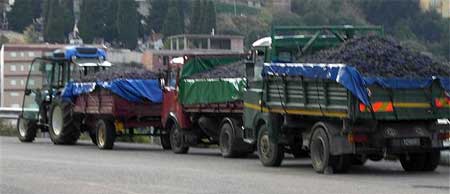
[43, 168]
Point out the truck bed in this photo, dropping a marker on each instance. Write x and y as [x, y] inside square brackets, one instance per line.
[104, 102]
[321, 97]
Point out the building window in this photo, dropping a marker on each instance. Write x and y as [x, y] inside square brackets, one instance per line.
[22, 82]
[22, 54]
[14, 94]
[31, 54]
[13, 54]
[13, 68]
[31, 82]
[12, 82]
[22, 67]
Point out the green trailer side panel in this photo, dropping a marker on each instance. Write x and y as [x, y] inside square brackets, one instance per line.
[201, 64]
[204, 91]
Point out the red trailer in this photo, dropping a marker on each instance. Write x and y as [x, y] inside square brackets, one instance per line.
[106, 115]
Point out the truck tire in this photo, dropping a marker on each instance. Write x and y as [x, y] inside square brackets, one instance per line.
[227, 142]
[270, 154]
[322, 160]
[106, 134]
[62, 123]
[165, 141]
[432, 160]
[413, 161]
[176, 140]
[26, 130]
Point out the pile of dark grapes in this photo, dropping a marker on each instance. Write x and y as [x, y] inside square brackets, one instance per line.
[380, 57]
[120, 72]
[233, 70]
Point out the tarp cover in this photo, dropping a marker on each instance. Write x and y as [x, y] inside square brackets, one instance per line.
[204, 91]
[349, 77]
[204, 63]
[134, 90]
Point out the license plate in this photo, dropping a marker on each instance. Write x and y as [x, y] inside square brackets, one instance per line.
[411, 142]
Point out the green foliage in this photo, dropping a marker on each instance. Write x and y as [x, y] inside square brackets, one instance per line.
[174, 22]
[225, 8]
[3, 39]
[203, 17]
[31, 35]
[91, 22]
[54, 25]
[21, 15]
[158, 11]
[127, 23]
[6, 129]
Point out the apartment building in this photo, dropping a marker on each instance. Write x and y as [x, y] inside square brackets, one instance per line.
[15, 61]
[192, 44]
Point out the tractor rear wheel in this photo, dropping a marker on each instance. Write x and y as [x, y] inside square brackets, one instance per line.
[63, 124]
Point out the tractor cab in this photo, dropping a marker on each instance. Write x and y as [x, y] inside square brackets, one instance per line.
[46, 80]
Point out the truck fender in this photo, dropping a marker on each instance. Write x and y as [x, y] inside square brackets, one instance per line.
[338, 142]
[171, 118]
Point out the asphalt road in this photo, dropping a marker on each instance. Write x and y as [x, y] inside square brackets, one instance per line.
[42, 167]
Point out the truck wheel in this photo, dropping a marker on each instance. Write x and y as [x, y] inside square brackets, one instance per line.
[176, 140]
[26, 130]
[413, 161]
[270, 154]
[63, 128]
[227, 142]
[106, 134]
[432, 160]
[322, 160]
[165, 141]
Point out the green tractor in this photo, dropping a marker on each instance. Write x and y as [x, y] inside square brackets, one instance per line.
[43, 106]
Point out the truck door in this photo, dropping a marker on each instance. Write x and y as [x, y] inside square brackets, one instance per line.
[37, 91]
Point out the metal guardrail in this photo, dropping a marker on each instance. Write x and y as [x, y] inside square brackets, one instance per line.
[9, 113]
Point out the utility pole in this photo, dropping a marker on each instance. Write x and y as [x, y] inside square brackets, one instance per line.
[235, 11]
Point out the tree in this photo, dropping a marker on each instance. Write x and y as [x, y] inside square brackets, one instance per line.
[69, 17]
[110, 26]
[174, 23]
[31, 35]
[211, 16]
[195, 17]
[127, 23]
[91, 24]
[158, 11]
[54, 26]
[21, 15]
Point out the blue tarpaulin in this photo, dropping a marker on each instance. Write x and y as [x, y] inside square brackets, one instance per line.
[134, 90]
[350, 78]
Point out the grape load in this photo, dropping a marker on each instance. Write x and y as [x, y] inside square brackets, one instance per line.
[380, 57]
[120, 72]
[233, 70]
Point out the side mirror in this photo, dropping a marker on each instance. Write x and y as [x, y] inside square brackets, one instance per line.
[27, 92]
[260, 53]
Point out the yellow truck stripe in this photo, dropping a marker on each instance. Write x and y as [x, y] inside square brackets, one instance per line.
[296, 111]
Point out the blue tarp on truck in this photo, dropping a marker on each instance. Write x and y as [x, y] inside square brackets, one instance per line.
[350, 78]
[133, 90]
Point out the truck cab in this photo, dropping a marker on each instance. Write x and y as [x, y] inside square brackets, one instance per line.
[43, 107]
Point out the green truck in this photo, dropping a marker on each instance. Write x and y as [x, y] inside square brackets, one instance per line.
[330, 112]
